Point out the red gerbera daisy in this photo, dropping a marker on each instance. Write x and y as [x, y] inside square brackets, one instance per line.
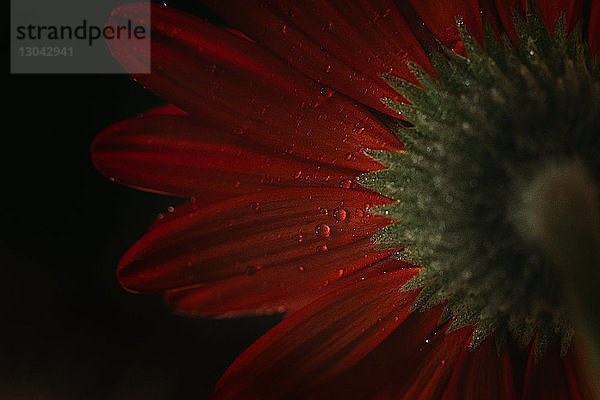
[402, 178]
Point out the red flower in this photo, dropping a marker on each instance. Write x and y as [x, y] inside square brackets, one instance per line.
[266, 137]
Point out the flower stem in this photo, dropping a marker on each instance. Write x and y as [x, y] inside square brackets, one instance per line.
[564, 216]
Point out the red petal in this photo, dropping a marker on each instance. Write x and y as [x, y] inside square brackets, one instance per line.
[320, 341]
[167, 109]
[552, 10]
[229, 82]
[381, 366]
[440, 18]
[489, 12]
[264, 238]
[482, 374]
[175, 154]
[594, 28]
[273, 291]
[427, 374]
[506, 10]
[414, 362]
[344, 47]
[545, 379]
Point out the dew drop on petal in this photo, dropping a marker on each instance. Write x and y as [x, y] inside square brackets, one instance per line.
[322, 248]
[323, 210]
[327, 91]
[346, 184]
[339, 214]
[299, 238]
[251, 270]
[322, 230]
[358, 128]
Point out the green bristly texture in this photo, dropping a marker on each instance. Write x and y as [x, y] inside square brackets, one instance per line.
[479, 133]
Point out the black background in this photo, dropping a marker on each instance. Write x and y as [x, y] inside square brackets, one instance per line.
[67, 329]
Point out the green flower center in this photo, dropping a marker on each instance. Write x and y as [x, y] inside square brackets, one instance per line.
[484, 141]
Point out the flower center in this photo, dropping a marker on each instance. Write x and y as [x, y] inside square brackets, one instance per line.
[503, 149]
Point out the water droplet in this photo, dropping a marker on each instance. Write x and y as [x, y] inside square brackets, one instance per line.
[340, 272]
[358, 128]
[301, 268]
[328, 68]
[322, 230]
[299, 238]
[327, 91]
[251, 270]
[322, 248]
[339, 214]
[323, 210]
[346, 183]
[283, 28]
[171, 209]
[255, 206]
